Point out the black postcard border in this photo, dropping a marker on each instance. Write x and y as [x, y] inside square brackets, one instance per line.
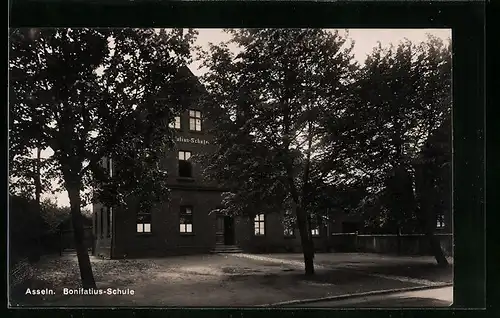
[467, 20]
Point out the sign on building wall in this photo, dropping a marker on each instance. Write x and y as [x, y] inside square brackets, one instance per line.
[192, 140]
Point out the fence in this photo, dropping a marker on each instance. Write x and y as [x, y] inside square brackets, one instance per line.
[404, 244]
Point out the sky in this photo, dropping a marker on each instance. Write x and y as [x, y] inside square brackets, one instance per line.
[365, 41]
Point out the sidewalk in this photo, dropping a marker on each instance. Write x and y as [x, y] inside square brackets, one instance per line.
[431, 297]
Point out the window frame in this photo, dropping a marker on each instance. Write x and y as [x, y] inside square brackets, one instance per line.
[186, 162]
[173, 124]
[440, 222]
[316, 222]
[138, 222]
[185, 215]
[256, 221]
[193, 114]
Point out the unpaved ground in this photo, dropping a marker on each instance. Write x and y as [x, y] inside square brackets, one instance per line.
[225, 280]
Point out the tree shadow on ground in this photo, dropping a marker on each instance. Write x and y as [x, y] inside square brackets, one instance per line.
[325, 277]
[422, 271]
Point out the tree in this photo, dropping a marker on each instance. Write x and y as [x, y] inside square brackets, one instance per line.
[402, 95]
[433, 184]
[53, 215]
[267, 102]
[98, 93]
[30, 175]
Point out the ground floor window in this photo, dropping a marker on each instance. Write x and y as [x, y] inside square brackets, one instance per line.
[315, 222]
[259, 224]
[186, 219]
[144, 222]
[440, 221]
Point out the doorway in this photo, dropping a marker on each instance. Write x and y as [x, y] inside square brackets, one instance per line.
[228, 230]
[225, 230]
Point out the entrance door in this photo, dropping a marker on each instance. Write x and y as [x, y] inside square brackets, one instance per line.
[228, 230]
[219, 230]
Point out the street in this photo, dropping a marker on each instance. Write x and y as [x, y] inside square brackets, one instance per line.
[432, 297]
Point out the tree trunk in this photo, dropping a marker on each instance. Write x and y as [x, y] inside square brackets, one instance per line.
[436, 250]
[430, 223]
[86, 274]
[38, 194]
[38, 181]
[427, 216]
[306, 241]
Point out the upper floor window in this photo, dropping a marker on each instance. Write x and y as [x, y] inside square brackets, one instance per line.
[185, 169]
[259, 224]
[176, 123]
[186, 219]
[194, 120]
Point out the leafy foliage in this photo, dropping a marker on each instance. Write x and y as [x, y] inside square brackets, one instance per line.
[97, 93]
[401, 96]
[267, 102]
[114, 102]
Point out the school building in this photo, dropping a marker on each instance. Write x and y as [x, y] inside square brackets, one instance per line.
[189, 222]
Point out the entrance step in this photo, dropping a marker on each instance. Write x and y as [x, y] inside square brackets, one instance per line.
[227, 249]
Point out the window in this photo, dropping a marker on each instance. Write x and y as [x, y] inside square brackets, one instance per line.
[176, 123]
[186, 219]
[259, 223]
[440, 221]
[314, 222]
[184, 164]
[144, 223]
[194, 120]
